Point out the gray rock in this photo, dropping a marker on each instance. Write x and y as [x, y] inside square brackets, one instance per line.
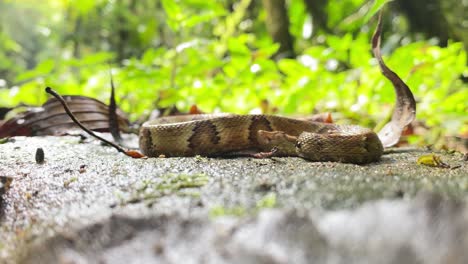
[89, 204]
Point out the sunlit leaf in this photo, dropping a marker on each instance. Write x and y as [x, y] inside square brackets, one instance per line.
[376, 6]
[173, 12]
[200, 18]
[237, 46]
[85, 6]
[292, 67]
[267, 51]
[43, 68]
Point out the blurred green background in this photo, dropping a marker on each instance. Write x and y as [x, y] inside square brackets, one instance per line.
[271, 56]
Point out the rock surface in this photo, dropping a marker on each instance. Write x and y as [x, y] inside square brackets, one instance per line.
[88, 204]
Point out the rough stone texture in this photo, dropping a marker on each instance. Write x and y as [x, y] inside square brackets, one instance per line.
[88, 204]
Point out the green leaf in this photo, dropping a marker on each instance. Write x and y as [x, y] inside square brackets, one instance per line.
[292, 68]
[200, 18]
[267, 51]
[376, 6]
[84, 6]
[44, 68]
[172, 9]
[237, 46]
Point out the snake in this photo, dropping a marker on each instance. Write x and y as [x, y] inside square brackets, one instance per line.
[271, 135]
[221, 134]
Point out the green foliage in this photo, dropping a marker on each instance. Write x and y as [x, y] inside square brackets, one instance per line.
[220, 60]
[376, 6]
[9, 48]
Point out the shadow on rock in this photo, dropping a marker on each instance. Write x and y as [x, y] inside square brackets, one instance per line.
[428, 229]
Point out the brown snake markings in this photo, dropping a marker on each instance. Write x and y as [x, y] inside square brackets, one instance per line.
[204, 135]
[258, 123]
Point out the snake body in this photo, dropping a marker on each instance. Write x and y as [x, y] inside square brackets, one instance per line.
[220, 134]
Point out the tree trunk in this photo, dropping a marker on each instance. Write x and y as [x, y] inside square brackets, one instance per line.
[123, 31]
[277, 23]
[317, 9]
[426, 16]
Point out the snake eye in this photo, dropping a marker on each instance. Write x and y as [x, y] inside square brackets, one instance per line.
[298, 145]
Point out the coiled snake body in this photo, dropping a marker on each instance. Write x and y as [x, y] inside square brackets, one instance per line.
[211, 135]
[219, 134]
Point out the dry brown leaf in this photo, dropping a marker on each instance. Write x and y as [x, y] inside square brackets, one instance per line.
[51, 119]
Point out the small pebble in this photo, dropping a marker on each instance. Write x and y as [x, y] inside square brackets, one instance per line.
[82, 168]
[40, 156]
[158, 248]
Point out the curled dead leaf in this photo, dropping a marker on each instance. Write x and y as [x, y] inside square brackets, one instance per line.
[51, 119]
[405, 108]
[134, 154]
[194, 110]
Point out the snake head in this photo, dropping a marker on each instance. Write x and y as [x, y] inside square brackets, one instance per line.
[284, 143]
[353, 145]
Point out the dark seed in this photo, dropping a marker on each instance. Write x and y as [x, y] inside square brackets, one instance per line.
[39, 156]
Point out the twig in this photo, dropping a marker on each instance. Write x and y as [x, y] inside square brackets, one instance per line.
[131, 153]
[113, 120]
